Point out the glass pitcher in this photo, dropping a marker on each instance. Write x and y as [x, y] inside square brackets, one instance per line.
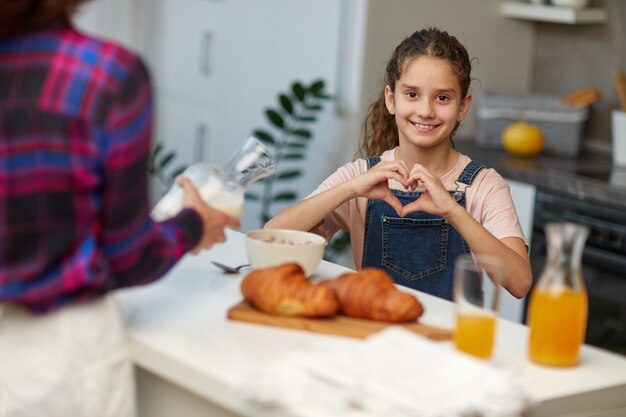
[557, 313]
[222, 187]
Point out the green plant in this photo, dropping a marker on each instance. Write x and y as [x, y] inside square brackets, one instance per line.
[337, 245]
[288, 139]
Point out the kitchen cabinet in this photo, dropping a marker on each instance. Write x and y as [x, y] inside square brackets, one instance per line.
[186, 127]
[523, 195]
[554, 14]
[184, 43]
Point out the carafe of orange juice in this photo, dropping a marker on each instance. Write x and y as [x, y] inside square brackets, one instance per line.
[557, 313]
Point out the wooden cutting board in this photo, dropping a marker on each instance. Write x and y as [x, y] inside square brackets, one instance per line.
[338, 325]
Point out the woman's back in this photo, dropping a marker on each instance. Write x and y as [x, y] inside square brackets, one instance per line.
[75, 120]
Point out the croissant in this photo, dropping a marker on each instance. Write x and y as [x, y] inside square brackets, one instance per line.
[285, 290]
[371, 294]
[583, 97]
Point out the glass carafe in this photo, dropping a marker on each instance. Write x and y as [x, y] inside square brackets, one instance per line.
[221, 186]
[557, 313]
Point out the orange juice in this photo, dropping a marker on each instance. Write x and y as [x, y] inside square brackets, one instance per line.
[474, 333]
[557, 321]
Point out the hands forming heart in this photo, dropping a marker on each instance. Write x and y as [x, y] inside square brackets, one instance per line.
[374, 184]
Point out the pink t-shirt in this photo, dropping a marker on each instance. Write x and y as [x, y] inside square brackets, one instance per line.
[488, 201]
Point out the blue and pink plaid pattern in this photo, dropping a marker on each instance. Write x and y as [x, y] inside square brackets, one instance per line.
[76, 117]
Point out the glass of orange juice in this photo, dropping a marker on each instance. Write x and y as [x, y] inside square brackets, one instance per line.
[476, 294]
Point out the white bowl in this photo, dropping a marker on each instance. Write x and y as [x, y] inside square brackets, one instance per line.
[272, 247]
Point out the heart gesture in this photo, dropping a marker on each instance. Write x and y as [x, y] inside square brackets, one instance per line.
[435, 199]
[374, 184]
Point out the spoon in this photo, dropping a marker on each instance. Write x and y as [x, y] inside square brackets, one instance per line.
[229, 269]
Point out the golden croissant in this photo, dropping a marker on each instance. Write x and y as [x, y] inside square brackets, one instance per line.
[285, 290]
[371, 294]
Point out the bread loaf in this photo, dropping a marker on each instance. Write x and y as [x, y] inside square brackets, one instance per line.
[371, 294]
[582, 97]
[285, 290]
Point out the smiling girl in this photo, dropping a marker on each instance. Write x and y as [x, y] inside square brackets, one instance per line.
[414, 204]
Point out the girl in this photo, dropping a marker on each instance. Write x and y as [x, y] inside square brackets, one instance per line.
[415, 203]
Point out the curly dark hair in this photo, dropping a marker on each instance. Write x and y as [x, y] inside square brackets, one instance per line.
[20, 15]
[380, 131]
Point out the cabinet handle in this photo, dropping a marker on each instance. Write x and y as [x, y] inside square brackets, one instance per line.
[205, 54]
[200, 142]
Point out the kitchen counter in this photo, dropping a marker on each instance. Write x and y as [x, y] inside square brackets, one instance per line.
[187, 351]
[587, 177]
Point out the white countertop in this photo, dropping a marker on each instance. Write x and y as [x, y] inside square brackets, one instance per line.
[179, 331]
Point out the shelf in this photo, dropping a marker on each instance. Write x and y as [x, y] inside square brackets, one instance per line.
[553, 14]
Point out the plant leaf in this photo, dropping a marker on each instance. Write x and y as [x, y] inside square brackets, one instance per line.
[293, 156]
[178, 171]
[306, 119]
[298, 90]
[323, 96]
[264, 136]
[286, 103]
[284, 196]
[303, 133]
[275, 118]
[317, 86]
[297, 145]
[251, 197]
[337, 245]
[157, 150]
[288, 174]
[166, 160]
[314, 107]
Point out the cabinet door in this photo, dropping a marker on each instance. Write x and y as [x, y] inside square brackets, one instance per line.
[186, 129]
[183, 43]
[523, 196]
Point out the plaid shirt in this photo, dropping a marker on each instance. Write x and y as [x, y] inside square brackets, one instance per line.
[76, 118]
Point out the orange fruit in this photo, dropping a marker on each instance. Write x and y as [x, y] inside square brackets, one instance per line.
[523, 139]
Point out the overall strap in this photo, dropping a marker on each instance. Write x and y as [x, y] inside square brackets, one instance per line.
[469, 173]
[372, 160]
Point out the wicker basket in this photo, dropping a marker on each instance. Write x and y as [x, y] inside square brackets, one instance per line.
[562, 126]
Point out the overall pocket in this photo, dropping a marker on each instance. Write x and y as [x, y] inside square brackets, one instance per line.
[414, 248]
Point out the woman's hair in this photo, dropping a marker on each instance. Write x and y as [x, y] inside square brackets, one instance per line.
[20, 15]
[380, 131]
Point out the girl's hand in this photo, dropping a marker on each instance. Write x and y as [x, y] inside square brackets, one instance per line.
[435, 199]
[374, 184]
[214, 221]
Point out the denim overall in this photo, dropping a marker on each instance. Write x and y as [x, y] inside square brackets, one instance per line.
[417, 250]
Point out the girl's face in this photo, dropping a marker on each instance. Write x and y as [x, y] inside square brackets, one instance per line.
[427, 102]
